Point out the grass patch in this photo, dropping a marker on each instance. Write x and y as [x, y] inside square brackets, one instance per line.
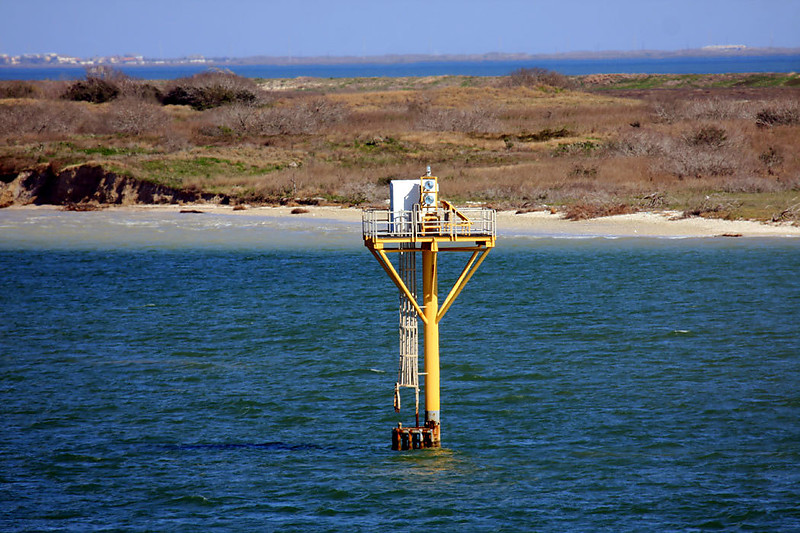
[783, 206]
[120, 170]
[543, 135]
[380, 145]
[644, 82]
[576, 148]
[689, 81]
[110, 151]
[761, 80]
[173, 172]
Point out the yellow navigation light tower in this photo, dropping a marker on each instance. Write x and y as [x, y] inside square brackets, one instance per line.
[419, 221]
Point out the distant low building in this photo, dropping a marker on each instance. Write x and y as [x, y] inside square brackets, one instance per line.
[724, 47]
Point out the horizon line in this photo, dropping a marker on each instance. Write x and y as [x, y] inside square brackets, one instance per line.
[713, 50]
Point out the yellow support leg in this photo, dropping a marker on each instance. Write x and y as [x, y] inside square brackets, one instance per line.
[431, 308]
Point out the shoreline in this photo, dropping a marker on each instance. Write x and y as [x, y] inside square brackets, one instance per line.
[537, 223]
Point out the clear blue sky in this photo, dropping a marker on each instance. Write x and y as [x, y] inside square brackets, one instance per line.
[172, 28]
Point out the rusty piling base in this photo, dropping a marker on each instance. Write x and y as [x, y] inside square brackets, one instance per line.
[416, 438]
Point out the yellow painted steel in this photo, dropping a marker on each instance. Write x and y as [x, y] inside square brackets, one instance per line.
[430, 313]
[462, 280]
[442, 228]
[431, 304]
[380, 255]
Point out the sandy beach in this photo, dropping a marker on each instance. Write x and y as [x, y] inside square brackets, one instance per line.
[642, 224]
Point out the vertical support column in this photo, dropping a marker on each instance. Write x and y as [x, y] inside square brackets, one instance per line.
[431, 303]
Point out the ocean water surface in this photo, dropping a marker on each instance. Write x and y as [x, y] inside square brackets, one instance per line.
[209, 372]
[570, 67]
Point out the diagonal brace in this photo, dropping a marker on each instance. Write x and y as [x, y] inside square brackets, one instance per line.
[382, 258]
[469, 269]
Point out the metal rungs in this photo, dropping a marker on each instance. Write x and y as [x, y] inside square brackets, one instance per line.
[408, 372]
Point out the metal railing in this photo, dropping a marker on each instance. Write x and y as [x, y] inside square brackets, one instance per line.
[420, 223]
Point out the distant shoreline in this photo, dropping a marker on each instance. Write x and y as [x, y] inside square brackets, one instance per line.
[498, 57]
[710, 52]
[425, 66]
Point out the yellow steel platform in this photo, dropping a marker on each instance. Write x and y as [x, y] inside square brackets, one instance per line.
[439, 227]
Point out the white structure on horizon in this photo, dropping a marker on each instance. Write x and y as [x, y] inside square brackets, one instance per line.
[724, 47]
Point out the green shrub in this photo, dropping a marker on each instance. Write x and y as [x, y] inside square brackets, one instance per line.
[778, 115]
[710, 136]
[544, 135]
[143, 91]
[94, 90]
[575, 148]
[771, 158]
[535, 77]
[17, 89]
[211, 89]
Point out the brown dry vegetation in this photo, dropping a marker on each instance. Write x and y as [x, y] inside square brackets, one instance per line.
[588, 146]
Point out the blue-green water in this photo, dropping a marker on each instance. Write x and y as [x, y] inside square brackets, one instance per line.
[192, 373]
[571, 67]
